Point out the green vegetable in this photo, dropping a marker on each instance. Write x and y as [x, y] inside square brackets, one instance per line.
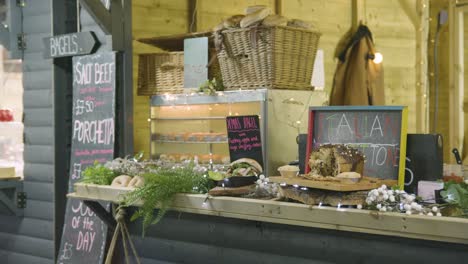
[456, 195]
[160, 189]
[98, 174]
[215, 176]
[211, 87]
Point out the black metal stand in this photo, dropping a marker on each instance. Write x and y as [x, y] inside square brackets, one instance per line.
[102, 213]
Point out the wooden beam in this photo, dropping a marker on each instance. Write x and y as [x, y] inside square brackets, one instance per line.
[422, 83]
[410, 9]
[192, 16]
[99, 13]
[279, 7]
[117, 24]
[358, 13]
[456, 78]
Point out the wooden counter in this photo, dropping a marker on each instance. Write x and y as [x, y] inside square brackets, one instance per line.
[445, 229]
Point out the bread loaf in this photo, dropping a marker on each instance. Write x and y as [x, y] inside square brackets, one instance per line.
[252, 9]
[121, 181]
[255, 17]
[331, 160]
[275, 20]
[233, 22]
[297, 23]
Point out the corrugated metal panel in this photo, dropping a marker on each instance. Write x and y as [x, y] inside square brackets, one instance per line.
[38, 117]
[40, 210]
[39, 172]
[17, 258]
[30, 239]
[37, 80]
[38, 154]
[37, 98]
[27, 245]
[39, 191]
[27, 227]
[39, 136]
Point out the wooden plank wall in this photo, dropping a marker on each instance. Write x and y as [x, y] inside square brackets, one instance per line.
[151, 19]
[394, 34]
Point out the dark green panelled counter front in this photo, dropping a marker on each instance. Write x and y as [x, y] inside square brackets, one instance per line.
[229, 230]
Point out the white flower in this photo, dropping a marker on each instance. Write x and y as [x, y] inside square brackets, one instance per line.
[259, 181]
[379, 206]
[390, 192]
[430, 214]
[359, 206]
[384, 187]
[397, 191]
[408, 212]
[374, 192]
[407, 207]
[371, 199]
[414, 205]
[267, 179]
[410, 198]
[385, 196]
[421, 213]
[261, 185]
[435, 209]
[439, 214]
[383, 209]
[262, 177]
[392, 198]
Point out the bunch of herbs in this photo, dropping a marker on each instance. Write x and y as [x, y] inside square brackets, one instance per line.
[160, 189]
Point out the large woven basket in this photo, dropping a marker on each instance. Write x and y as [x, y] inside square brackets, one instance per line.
[160, 73]
[273, 57]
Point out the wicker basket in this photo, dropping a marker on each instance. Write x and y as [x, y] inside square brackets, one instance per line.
[273, 57]
[160, 73]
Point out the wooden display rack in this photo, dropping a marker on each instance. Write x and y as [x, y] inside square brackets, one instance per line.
[446, 229]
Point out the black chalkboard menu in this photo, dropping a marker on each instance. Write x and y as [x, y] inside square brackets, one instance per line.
[379, 132]
[244, 137]
[84, 234]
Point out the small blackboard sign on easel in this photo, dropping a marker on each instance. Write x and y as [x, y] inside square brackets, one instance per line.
[244, 137]
[379, 132]
[93, 136]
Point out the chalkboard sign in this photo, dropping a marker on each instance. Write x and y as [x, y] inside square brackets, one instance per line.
[244, 138]
[379, 132]
[84, 234]
[195, 62]
[79, 43]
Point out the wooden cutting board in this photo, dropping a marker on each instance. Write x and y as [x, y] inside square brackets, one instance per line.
[235, 191]
[366, 183]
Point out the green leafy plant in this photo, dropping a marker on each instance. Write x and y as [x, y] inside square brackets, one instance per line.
[160, 189]
[98, 174]
[456, 195]
[211, 87]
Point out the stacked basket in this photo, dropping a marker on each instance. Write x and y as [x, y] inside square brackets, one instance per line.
[160, 73]
[163, 73]
[279, 57]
